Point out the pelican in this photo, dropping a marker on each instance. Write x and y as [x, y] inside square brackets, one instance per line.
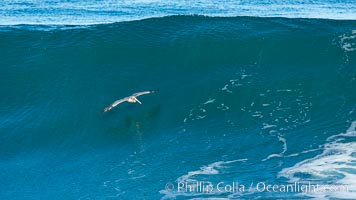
[130, 99]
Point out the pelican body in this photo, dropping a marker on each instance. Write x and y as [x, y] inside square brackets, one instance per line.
[130, 99]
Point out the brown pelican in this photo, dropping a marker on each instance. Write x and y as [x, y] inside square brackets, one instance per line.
[130, 99]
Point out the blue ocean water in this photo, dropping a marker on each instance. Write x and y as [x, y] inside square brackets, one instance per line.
[74, 12]
[248, 94]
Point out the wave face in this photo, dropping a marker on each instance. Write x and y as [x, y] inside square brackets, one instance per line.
[64, 12]
[240, 99]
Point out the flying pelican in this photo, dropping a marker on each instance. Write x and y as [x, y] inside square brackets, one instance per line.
[130, 99]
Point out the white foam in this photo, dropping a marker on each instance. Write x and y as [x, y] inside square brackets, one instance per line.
[267, 126]
[225, 88]
[303, 152]
[284, 90]
[195, 114]
[244, 76]
[337, 163]
[284, 148]
[200, 117]
[233, 81]
[348, 41]
[209, 101]
[206, 170]
[223, 107]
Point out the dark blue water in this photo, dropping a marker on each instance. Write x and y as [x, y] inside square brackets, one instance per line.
[239, 99]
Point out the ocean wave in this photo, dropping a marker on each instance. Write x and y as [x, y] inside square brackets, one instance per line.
[291, 87]
[93, 12]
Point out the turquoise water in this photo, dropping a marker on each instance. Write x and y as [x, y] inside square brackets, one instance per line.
[240, 99]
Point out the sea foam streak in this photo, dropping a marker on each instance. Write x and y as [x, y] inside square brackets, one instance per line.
[206, 170]
[337, 164]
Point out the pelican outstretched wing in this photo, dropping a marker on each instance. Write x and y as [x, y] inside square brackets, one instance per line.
[109, 107]
[117, 102]
[142, 93]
